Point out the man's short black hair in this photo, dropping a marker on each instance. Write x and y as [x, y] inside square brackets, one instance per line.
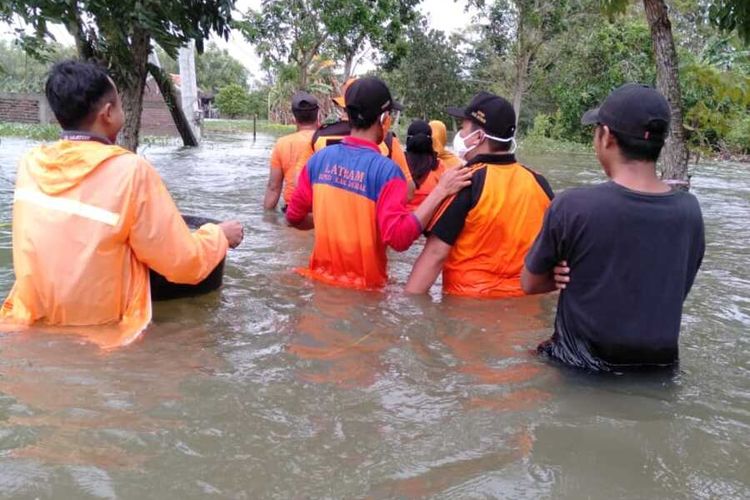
[361, 123]
[637, 149]
[495, 146]
[305, 116]
[76, 90]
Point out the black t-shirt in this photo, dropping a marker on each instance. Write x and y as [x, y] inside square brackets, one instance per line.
[633, 258]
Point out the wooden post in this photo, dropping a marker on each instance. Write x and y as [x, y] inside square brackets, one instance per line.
[255, 119]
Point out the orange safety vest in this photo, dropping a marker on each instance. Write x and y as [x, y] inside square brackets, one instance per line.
[506, 215]
[89, 220]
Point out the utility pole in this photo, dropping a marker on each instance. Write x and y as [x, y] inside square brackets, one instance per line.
[189, 88]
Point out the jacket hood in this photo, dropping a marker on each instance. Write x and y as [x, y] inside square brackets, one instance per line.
[439, 136]
[64, 164]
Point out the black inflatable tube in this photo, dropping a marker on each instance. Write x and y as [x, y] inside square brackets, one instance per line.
[161, 289]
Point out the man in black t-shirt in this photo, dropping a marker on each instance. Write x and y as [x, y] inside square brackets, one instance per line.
[631, 247]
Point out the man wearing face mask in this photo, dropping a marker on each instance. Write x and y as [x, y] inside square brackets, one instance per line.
[480, 236]
[358, 197]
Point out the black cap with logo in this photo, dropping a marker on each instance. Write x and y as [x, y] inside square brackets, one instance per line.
[368, 98]
[491, 112]
[635, 110]
[302, 101]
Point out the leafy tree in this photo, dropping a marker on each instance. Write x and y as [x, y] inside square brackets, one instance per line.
[516, 31]
[20, 72]
[591, 60]
[258, 103]
[120, 34]
[428, 77]
[233, 101]
[729, 15]
[355, 24]
[296, 32]
[287, 32]
[214, 68]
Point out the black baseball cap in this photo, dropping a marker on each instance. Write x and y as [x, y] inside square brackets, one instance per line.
[491, 112]
[302, 101]
[368, 98]
[635, 110]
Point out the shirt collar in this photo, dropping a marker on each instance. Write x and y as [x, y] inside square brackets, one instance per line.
[79, 135]
[493, 159]
[361, 143]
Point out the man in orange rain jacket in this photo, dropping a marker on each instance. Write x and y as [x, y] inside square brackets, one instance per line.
[91, 218]
[439, 140]
[481, 236]
[358, 197]
[291, 151]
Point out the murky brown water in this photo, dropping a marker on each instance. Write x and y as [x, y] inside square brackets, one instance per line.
[278, 388]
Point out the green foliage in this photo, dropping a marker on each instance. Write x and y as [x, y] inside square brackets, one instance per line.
[353, 24]
[738, 138]
[428, 78]
[296, 32]
[214, 68]
[233, 101]
[246, 126]
[102, 27]
[589, 62]
[119, 33]
[732, 15]
[715, 101]
[21, 72]
[37, 132]
[258, 103]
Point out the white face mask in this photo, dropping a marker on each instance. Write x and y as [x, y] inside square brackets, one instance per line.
[460, 147]
[512, 140]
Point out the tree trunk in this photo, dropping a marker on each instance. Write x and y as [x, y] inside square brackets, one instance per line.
[675, 154]
[168, 92]
[519, 87]
[348, 66]
[132, 82]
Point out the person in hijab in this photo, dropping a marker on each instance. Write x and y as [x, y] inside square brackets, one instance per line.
[439, 141]
[424, 164]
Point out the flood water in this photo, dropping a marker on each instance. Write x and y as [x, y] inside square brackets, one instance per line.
[279, 388]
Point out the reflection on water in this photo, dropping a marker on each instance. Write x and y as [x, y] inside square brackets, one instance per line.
[278, 387]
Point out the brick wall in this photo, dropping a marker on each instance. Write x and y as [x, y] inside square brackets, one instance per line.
[156, 118]
[20, 108]
[33, 108]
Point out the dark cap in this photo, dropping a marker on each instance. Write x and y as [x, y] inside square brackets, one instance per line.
[635, 110]
[491, 112]
[302, 101]
[368, 98]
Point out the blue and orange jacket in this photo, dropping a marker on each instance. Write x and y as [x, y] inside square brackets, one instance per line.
[358, 200]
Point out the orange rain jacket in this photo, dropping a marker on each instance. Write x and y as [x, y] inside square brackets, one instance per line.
[89, 220]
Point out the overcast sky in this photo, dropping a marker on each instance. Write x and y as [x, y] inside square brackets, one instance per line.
[445, 15]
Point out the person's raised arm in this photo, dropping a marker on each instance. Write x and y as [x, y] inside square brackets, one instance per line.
[428, 266]
[160, 238]
[398, 226]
